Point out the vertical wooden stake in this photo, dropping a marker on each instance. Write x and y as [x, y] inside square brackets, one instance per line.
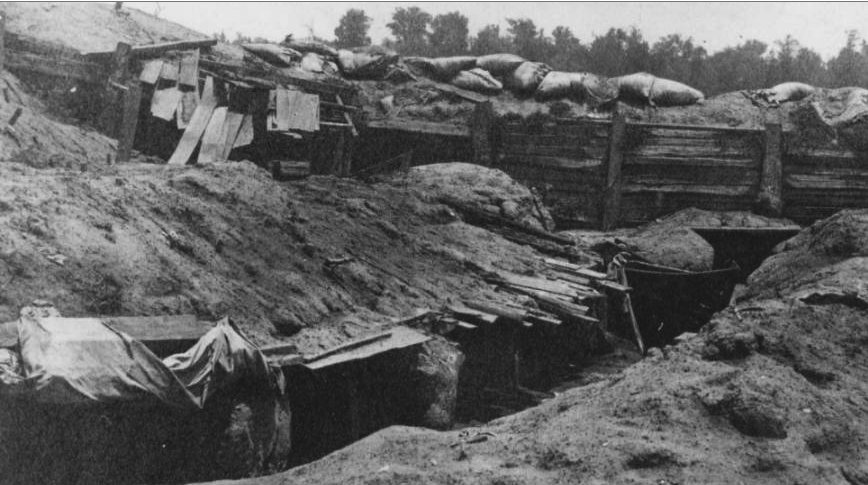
[480, 133]
[129, 120]
[108, 119]
[612, 193]
[2, 43]
[770, 198]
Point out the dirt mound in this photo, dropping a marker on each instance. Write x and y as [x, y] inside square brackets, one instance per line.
[487, 189]
[830, 257]
[773, 393]
[693, 217]
[326, 260]
[39, 140]
[670, 244]
[90, 26]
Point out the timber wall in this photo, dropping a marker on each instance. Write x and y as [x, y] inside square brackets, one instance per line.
[594, 175]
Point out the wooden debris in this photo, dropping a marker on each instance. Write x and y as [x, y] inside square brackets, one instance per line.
[347, 346]
[145, 51]
[230, 132]
[287, 170]
[129, 120]
[212, 137]
[347, 118]
[506, 313]
[197, 126]
[17, 114]
[295, 110]
[164, 103]
[187, 103]
[170, 71]
[245, 133]
[188, 73]
[151, 71]
[420, 127]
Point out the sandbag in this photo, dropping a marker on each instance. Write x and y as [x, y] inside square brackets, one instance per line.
[305, 46]
[364, 65]
[273, 54]
[442, 68]
[477, 80]
[314, 62]
[527, 76]
[666, 92]
[791, 91]
[656, 91]
[580, 86]
[499, 64]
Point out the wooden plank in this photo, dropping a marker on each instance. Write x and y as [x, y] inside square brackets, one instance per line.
[129, 121]
[109, 118]
[230, 132]
[2, 37]
[844, 182]
[59, 67]
[612, 193]
[213, 137]
[143, 51]
[187, 103]
[170, 71]
[151, 71]
[201, 117]
[164, 103]
[160, 328]
[419, 127]
[245, 133]
[732, 191]
[188, 73]
[749, 163]
[347, 118]
[552, 162]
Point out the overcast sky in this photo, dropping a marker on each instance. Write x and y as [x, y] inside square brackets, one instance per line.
[820, 26]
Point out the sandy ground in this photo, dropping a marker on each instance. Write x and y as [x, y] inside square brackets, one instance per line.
[772, 393]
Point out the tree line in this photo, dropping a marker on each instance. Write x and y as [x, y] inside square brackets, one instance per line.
[752, 64]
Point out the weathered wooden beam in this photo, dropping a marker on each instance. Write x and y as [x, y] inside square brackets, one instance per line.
[129, 120]
[612, 194]
[769, 199]
[347, 118]
[111, 104]
[60, 67]
[481, 122]
[2, 36]
[420, 127]
[275, 78]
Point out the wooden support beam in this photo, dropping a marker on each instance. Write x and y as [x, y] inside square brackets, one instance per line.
[769, 200]
[419, 127]
[612, 193]
[353, 130]
[2, 36]
[129, 120]
[117, 76]
[145, 51]
[480, 133]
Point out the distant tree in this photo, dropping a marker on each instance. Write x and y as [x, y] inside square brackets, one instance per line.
[449, 34]
[809, 68]
[352, 31]
[740, 67]
[849, 67]
[221, 37]
[410, 28]
[529, 42]
[678, 58]
[489, 41]
[568, 54]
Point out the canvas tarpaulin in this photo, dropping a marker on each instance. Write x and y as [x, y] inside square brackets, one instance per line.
[75, 360]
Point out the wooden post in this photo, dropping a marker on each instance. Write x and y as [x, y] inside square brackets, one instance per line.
[612, 193]
[769, 200]
[2, 42]
[480, 133]
[117, 75]
[129, 121]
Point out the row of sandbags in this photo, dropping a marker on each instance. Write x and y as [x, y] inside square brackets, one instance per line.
[495, 72]
[488, 74]
[782, 93]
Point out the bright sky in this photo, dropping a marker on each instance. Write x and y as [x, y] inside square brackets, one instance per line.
[820, 26]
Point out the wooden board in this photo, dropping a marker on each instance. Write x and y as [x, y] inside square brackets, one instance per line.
[188, 73]
[197, 126]
[187, 103]
[212, 139]
[420, 127]
[170, 71]
[129, 121]
[297, 111]
[230, 132]
[151, 71]
[245, 133]
[164, 103]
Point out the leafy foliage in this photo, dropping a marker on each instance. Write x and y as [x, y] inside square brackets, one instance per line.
[352, 31]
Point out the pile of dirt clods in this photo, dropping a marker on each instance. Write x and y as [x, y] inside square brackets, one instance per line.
[773, 390]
